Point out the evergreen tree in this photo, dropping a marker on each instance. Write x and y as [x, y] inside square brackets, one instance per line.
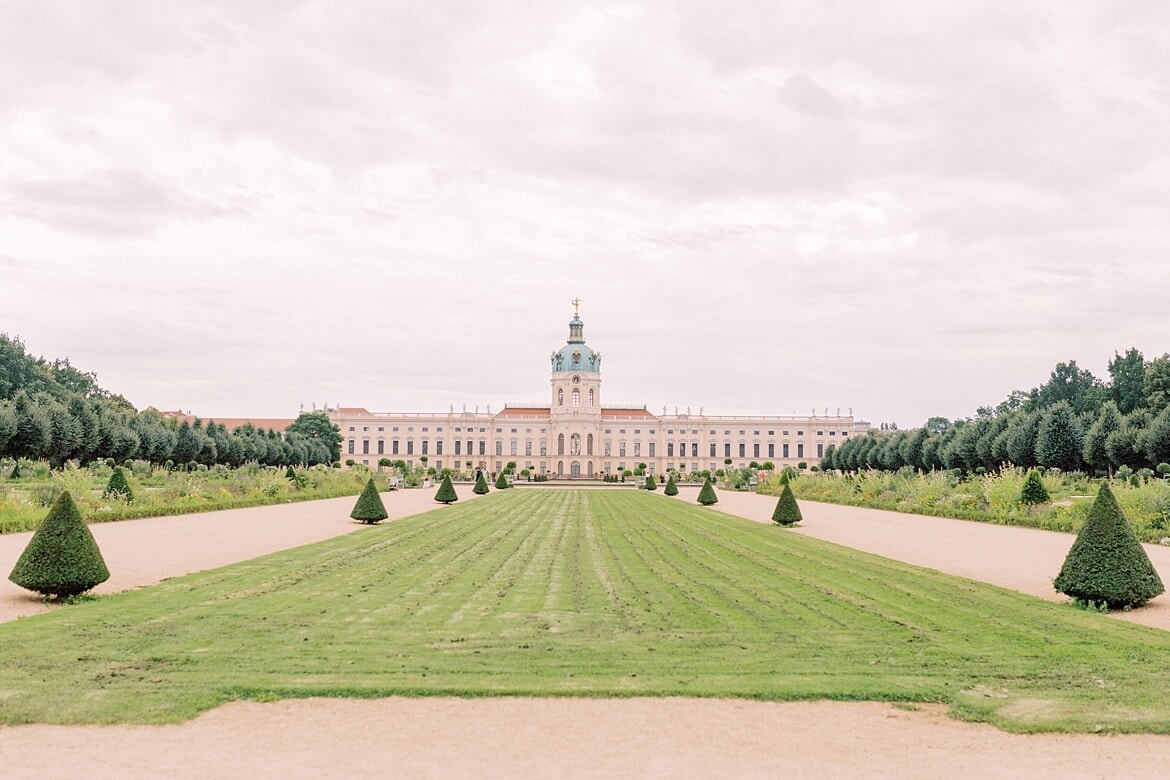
[1107, 562]
[118, 487]
[671, 488]
[481, 485]
[62, 558]
[369, 507]
[1156, 439]
[650, 483]
[502, 481]
[787, 512]
[1059, 441]
[707, 495]
[1033, 491]
[1127, 374]
[1156, 384]
[446, 493]
[1108, 421]
[15, 471]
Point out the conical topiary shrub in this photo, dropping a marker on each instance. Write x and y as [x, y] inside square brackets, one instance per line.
[15, 471]
[1107, 562]
[707, 494]
[1033, 491]
[290, 473]
[446, 493]
[787, 512]
[62, 558]
[671, 488]
[118, 487]
[502, 481]
[481, 485]
[650, 483]
[369, 507]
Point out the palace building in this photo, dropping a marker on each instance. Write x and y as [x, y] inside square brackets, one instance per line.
[576, 436]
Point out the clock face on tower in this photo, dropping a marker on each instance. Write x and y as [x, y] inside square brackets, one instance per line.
[576, 379]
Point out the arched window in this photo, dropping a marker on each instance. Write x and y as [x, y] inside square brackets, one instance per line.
[560, 447]
[575, 444]
[576, 398]
[589, 443]
[560, 397]
[591, 396]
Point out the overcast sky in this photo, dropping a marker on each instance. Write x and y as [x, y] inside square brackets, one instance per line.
[906, 209]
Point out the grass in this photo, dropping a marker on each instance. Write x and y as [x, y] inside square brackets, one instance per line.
[583, 593]
[990, 498]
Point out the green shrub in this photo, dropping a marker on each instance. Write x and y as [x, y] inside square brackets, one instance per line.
[671, 488]
[15, 471]
[707, 495]
[650, 483]
[1107, 562]
[502, 481]
[369, 507]
[787, 512]
[481, 485]
[446, 493]
[118, 487]
[1033, 492]
[62, 558]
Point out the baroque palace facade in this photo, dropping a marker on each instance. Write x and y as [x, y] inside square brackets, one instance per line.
[576, 436]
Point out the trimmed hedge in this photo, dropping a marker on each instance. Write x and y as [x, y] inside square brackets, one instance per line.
[62, 558]
[446, 493]
[707, 495]
[118, 487]
[481, 485]
[1107, 562]
[502, 481]
[1033, 492]
[650, 483]
[787, 512]
[369, 507]
[671, 488]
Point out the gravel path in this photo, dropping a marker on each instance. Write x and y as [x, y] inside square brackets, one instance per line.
[569, 738]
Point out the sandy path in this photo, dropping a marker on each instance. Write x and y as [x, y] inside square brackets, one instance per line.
[434, 737]
[569, 738]
[1023, 559]
[143, 552]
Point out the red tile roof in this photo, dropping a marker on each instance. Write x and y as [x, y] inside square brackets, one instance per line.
[639, 411]
[524, 410]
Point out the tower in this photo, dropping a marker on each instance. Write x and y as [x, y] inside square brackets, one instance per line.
[576, 404]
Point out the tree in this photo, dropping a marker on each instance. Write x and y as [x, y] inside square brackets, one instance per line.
[1078, 387]
[1107, 562]
[1127, 374]
[446, 493]
[787, 512]
[502, 481]
[1157, 438]
[369, 507]
[317, 427]
[1033, 491]
[62, 558]
[707, 495]
[937, 426]
[1059, 441]
[118, 487]
[671, 488]
[1108, 421]
[481, 485]
[650, 483]
[1156, 384]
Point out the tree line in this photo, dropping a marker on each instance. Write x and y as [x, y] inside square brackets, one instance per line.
[1073, 422]
[53, 411]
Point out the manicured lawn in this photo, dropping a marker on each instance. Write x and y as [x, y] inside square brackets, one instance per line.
[582, 593]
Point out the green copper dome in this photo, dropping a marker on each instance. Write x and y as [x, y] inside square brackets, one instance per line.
[576, 355]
